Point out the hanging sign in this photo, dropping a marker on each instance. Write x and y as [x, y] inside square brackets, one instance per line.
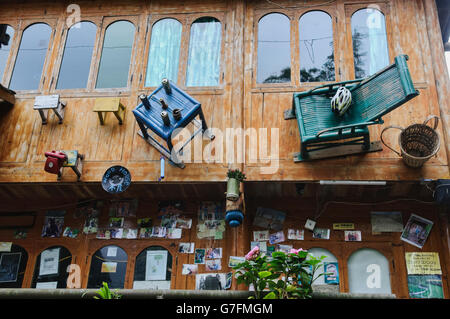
[116, 179]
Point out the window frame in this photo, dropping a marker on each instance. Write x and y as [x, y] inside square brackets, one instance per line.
[7, 72]
[25, 24]
[60, 54]
[294, 16]
[351, 9]
[151, 21]
[106, 22]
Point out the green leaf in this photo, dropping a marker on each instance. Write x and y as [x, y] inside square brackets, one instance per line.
[264, 274]
[270, 295]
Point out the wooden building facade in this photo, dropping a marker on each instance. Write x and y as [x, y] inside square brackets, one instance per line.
[238, 90]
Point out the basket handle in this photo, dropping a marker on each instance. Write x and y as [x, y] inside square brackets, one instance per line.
[436, 121]
[386, 128]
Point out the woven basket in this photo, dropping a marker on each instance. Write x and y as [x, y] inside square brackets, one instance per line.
[418, 142]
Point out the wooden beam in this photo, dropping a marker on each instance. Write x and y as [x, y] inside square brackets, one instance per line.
[7, 95]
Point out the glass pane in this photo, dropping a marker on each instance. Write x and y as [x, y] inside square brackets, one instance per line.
[116, 55]
[316, 47]
[50, 271]
[77, 57]
[204, 53]
[368, 272]
[153, 269]
[31, 57]
[4, 50]
[12, 267]
[164, 53]
[370, 48]
[274, 49]
[108, 264]
[330, 258]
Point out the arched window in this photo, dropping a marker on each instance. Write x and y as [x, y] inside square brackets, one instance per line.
[330, 265]
[203, 66]
[316, 47]
[12, 267]
[76, 61]
[370, 47]
[108, 264]
[31, 57]
[116, 55]
[50, 271]
[274, 49]
[5, 49]
[164, 52]
[368, 272]
[153, 269]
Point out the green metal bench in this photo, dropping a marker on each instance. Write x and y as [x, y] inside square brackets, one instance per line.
[324, 134]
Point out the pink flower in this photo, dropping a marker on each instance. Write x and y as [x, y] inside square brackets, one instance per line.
[252, 253]
[296, 251]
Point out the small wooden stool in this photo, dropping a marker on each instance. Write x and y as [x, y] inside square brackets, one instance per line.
[74, 161]
[106, 104]
[44, 103]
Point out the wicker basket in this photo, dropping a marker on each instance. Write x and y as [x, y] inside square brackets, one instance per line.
[418, 142]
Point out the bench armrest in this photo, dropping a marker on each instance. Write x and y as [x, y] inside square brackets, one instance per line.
[343, 127]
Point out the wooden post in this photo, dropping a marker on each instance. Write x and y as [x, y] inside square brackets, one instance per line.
[441, 76]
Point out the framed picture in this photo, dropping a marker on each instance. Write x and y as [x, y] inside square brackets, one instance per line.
[9, 266]
[156, 265]
[53, 226]
[352, 235]
[321, 233]
[416, 230]
[384, 222]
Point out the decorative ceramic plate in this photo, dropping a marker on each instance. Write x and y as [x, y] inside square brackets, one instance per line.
[116, 179]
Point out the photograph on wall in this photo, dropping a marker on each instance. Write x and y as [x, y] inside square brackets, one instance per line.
[211, 228]
[20, 234]
[169, 221]
[189, 269]
[158, 232]
[109, 267]
[229, 280]
[277, 237]
[130, 233]
[284, 248]
[186, 248]
[296, 234]
[210, 281]
[331, 273]
[174, 233]
[49, 262]
[209, 210]
[233, 261]
[321, 233]
[145, 232]
[123, 208]
[261, 235]
[91, 224]
[269, 218]
[213, 253]
[116, 233]
[425, 286]
[103, 233]
[144, 222]
[261, 244]
[116, 222]
[199, 257]
[416, 230]
[156, 265]
[53, 224]
[184, 222]
[5, 246]
[352, 235]
[213, 264]
[9, 266]
[70, 232]
[386, 222]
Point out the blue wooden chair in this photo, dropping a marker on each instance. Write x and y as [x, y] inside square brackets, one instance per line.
[325, 134]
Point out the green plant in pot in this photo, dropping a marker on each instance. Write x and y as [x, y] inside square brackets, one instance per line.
[235, 177]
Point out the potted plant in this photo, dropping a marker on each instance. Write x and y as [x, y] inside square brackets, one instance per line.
[235, 177]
